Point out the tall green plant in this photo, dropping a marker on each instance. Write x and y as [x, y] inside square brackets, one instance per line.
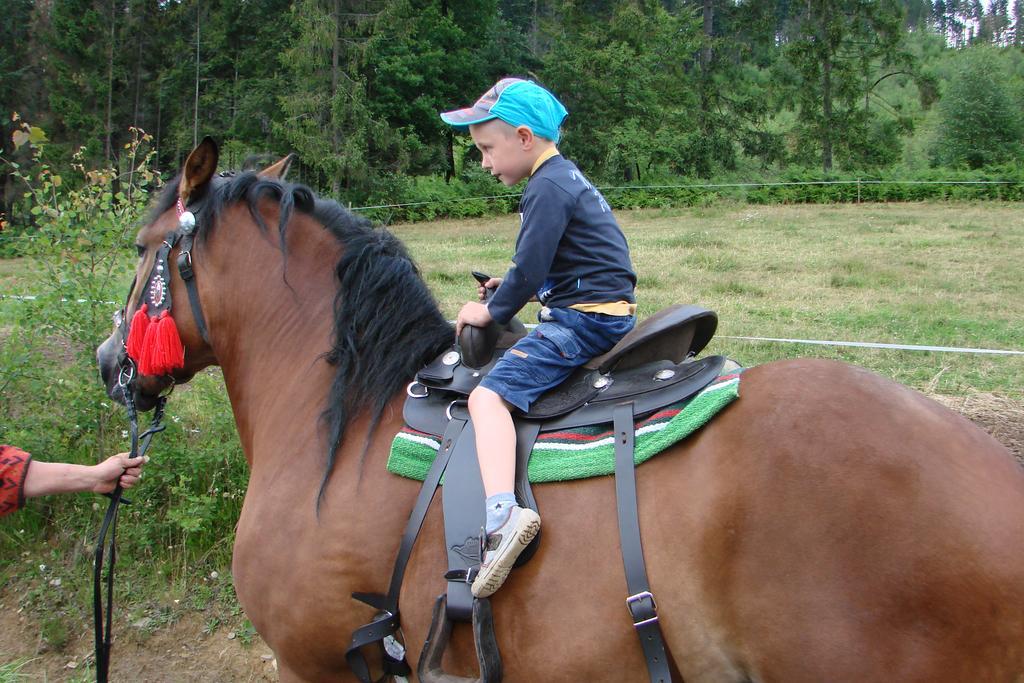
[53, 404]
[622, 74]
[82, 226]
[979, 121]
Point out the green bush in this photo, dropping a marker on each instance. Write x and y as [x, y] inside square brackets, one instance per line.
[1004, 182]
[427, 198]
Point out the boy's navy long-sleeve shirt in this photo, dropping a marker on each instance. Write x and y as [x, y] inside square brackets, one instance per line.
[570, 250]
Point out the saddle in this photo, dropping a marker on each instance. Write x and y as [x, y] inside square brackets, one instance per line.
[651, 367]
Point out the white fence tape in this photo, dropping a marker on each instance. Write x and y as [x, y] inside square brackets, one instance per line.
[29, 297]
[817, 342]
[877, 345]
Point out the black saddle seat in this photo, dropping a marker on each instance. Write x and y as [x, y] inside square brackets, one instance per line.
[674, 333]
[649, 368]
[656, 354]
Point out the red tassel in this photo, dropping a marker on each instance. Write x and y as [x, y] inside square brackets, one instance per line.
[137, 333]
[145, 359]
[169, 342]
[162, 349]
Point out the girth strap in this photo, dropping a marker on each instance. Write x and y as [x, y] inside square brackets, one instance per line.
[388, 621]
[462, 502]
[640, 603]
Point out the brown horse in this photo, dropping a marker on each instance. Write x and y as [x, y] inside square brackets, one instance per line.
[830, 525]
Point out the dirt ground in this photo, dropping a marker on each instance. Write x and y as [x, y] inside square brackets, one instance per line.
[177, 652]
[183, 652]
[1000, 416]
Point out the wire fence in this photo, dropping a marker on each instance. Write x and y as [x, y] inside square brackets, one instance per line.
[859, 183]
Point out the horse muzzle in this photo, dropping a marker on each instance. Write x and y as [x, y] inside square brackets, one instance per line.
[118, 374]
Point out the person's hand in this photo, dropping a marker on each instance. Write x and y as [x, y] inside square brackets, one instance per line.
[473, 313]
[117, 468]
[491, 284]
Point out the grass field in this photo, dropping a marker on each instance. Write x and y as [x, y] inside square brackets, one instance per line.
[938, 274]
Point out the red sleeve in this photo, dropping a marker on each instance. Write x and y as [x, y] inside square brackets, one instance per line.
[13, 468]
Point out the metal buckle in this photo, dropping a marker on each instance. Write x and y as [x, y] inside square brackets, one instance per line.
[185, 265]
[645, 595]
[126, 375]
[412, 385]
[456, 402]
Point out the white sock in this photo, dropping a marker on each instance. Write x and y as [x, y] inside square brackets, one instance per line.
[497, 507]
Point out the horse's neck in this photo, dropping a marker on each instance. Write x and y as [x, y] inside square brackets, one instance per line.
[271, 326]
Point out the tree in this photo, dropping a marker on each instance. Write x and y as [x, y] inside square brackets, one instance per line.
[979, 122]
[739, 42]
[918, 14]
[1018, 17]
[81, 75]
[425, 57]
[240, 87]
[626, 78]
[842, 50]
[997, 22]
[327, 118]
[16, 71]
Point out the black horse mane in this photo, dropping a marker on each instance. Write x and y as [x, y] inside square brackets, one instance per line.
[387, 324]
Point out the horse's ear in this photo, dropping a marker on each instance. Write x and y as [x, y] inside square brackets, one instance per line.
[199, 168]
[278, 169]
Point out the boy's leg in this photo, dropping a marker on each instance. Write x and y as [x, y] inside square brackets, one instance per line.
[509, 528]
[536, 363]
[495, 440]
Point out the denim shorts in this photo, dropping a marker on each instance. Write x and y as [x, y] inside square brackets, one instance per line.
[564, 340]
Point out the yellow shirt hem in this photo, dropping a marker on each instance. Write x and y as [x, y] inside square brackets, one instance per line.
[609, 308]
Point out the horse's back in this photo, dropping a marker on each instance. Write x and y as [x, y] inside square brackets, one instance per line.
[828, 525]
[852, 529]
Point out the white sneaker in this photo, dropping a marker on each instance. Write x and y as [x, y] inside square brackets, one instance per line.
[503, 547]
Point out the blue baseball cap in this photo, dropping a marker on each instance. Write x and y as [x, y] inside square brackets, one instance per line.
[517, 102]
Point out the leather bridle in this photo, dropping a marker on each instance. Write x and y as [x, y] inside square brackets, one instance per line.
[127, 377]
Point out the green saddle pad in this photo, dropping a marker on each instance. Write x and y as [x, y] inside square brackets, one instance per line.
[585, 451]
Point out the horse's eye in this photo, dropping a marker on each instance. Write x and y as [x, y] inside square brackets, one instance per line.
[141, 248]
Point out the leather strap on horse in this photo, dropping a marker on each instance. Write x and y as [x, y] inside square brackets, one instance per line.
[461, 502]
[103, 626]
[184, 236]
[640, 603]
[388, 621]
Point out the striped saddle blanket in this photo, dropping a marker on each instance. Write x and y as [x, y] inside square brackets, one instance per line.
[585, 451]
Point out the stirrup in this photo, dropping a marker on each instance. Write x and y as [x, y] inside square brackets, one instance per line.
[487, 654]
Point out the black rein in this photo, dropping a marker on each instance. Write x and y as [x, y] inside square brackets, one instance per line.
[183, 238]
